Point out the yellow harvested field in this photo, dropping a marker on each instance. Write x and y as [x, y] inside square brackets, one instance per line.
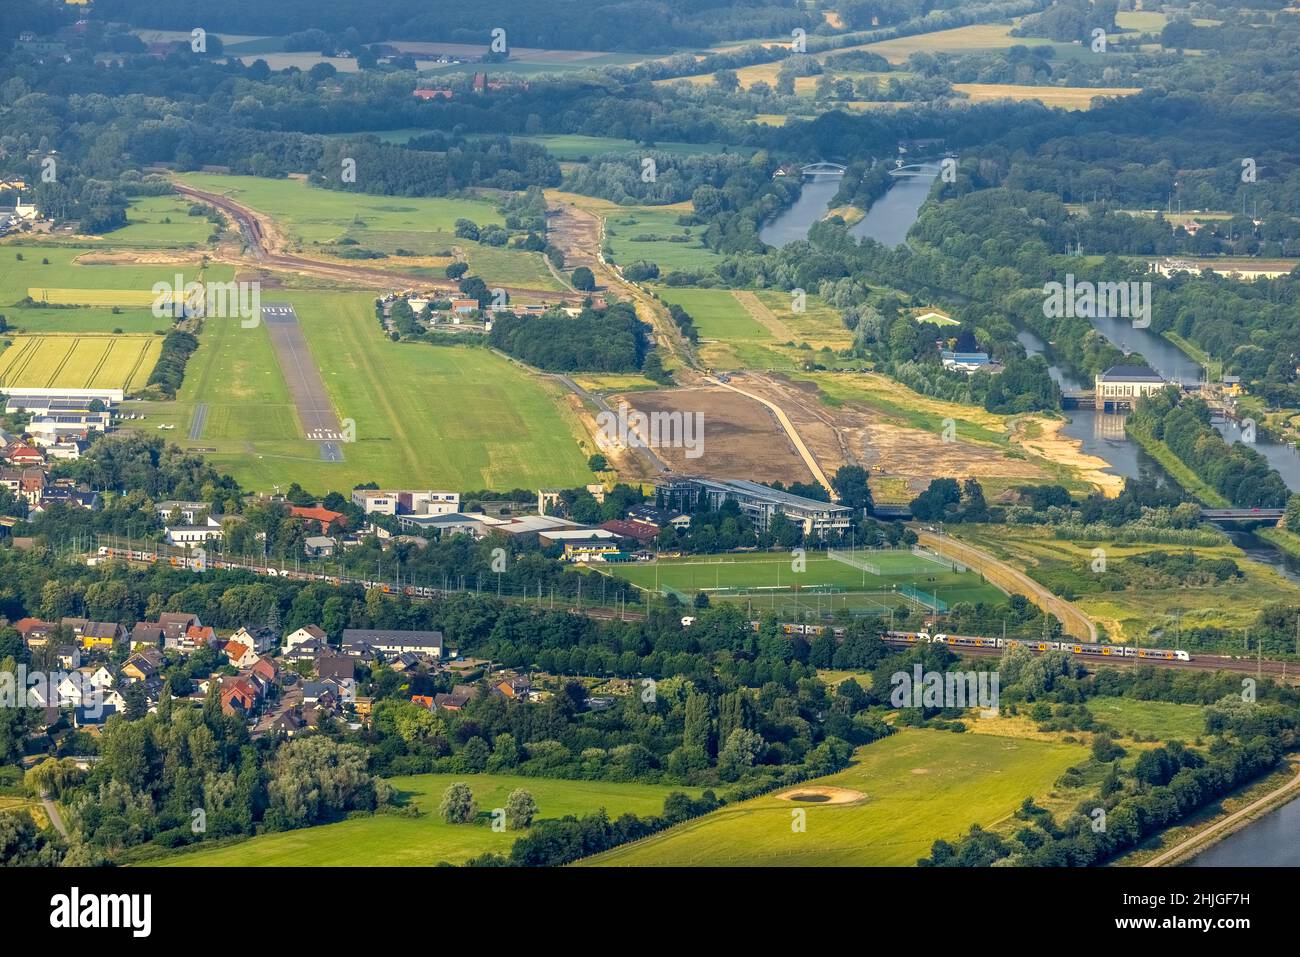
[137, 298]
[978, 36]
[79, 361]
[1066, 97]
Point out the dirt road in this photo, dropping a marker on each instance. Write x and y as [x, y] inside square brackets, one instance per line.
[1010, 579]
[266, 247]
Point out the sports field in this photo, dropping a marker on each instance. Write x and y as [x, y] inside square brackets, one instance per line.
[393, 840]
[761, 575]
[79, 361]
[425, 416]
[919, 786]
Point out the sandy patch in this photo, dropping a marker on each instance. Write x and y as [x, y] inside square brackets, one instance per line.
[822, 795]
[136, 259]
[1050, 444]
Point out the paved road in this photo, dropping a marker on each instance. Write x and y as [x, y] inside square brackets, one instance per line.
[56, 819]
[1075, 622]
[647, 454]
[306, 387]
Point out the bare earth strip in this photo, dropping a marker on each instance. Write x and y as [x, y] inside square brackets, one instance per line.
[764, 316]
[1012, 580]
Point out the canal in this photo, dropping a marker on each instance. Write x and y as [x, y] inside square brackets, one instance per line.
[887, 221]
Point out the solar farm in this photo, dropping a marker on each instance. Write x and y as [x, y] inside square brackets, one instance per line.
[814, 584]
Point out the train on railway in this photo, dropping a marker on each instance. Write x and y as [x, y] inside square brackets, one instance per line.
[152, 557]
[977, 641]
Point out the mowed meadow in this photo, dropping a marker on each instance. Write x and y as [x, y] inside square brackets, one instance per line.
[919, 786]
[393, 840]
[454, 416]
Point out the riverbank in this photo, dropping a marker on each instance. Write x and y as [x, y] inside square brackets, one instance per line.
[1221, 820]
[1042, 437]
[1281, 539]
[1178, 470]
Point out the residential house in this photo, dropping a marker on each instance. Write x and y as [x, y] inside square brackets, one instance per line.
[240, 696]
[258, 637]
[101, 635]
[92, 719]
[321, 516]
[390, 642]
[146, 634]
[460, 696]
[198, 636]
[336, 667]
[304, 634]
[34, 631]
[189, 512]
[68, 656]
[194, 534]
[240, 655]
[308, 650]
[142, 666]
[174, 625]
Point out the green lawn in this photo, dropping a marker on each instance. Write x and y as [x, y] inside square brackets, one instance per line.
[393, 840]
[1163, 719]
[426, 417]
[920, 786]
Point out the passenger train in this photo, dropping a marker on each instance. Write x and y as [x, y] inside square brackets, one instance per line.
[975, 641]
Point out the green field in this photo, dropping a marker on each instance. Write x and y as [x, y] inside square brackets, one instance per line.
[1149, 615]
[313, 215]
[393, 840]
[79, 361]
[1163, 719]
[760, 329]
[455, 417]
[642, 232]
[920, 786]
[757, 576]
[70, 274]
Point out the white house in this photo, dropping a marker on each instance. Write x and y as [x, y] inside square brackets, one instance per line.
[304, 634]
[260, 640]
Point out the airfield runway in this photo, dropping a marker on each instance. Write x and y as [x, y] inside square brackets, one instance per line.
[306, 387]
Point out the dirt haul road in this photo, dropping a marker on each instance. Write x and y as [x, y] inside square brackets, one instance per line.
[265, 244]
[1012, 580]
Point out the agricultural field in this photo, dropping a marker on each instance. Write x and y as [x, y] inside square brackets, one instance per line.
[765, 579]
[110, 288]
[752, 330]
[1066, 97]
[576, 147]
[455, 417]
[1150, 615]
[393, 840]
[80, 361]
[976, 37]
[916, 787]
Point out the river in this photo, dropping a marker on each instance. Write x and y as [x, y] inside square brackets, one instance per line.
[887, 221]
[1102, 433]
[1271, 841]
